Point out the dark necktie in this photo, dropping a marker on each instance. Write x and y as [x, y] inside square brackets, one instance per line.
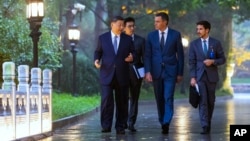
[162, 40]
[115, 44]
[205, 47]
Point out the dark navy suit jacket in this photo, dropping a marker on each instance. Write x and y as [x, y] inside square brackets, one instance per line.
[196, 58]
[172, 56]
[139, 45]
[111, 63]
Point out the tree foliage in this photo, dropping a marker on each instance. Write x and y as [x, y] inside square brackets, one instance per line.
[16, 44]
[241, 43]
[87, 77]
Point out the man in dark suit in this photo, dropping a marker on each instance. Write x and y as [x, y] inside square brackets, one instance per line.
[163, 62]
[113, 54]
[205, 54]
[134, 82]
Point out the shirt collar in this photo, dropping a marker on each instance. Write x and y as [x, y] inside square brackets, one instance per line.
[205, 39]
[133, 37]
[113, 35]
[165, 31]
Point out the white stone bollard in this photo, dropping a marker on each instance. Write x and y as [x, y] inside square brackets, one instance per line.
[35, 102]
[22, 102]
[46, 101]
[7, 95]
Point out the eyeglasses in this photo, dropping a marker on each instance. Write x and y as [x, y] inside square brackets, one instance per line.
[131, 26]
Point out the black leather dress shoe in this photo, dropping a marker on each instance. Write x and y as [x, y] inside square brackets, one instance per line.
[106, 130]
[131, 128]
[165, 129]
[120, 132]
[205, 130]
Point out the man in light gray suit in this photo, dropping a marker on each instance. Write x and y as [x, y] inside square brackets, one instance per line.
[205, 54]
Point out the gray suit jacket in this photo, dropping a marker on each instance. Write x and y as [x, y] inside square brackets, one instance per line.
[196, 58]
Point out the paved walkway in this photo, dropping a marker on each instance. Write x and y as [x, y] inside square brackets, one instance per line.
[185, 125]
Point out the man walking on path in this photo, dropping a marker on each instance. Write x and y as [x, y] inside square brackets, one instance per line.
[164, 62]
[113, 54]
[205, 54]
[135, 81]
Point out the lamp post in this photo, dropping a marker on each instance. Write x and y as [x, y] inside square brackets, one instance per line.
[74, 36]
[35, 14]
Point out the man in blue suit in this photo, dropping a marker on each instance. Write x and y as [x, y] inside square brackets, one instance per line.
[113, 53]
[164, 62]
[205, 54]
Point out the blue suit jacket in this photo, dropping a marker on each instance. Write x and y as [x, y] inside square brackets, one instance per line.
[111, 63]
[196, 58]
[167, 63]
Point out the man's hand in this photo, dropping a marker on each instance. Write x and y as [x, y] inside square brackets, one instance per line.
[179, 79]
[208, 62]
[148, 77]
[193, 82]
[129, 58]
[97, 64]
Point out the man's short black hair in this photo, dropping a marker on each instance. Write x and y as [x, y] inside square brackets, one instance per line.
[129, 19]
[206, 24]
[117, 18]
[163, 15]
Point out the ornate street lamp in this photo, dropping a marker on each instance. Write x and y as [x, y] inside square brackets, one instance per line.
[35, 14]
[74, 36]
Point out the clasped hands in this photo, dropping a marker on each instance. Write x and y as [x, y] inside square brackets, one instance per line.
[208, 62]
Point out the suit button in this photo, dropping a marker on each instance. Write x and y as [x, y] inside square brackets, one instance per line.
[162, 64]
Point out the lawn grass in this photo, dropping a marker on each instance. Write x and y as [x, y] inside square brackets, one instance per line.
[64, 105]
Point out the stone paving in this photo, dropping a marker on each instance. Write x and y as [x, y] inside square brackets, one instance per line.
[185, 125]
